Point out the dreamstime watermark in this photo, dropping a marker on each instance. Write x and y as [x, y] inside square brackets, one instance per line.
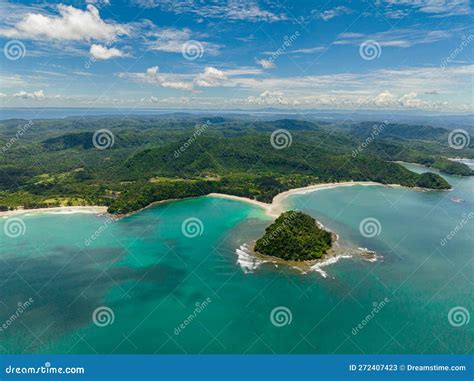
[459, 139]
[377, 129]
[466, 40]
[281, 316]
[192, 50]
[458, 316]
[14, 227]
[199, 129]
[281, 139]
[103, 316]
[88, 241]
[103, 139]
[377, 307]
[370, 227]
[464, 221]
[22, 307]
[370, 50]
[199, 307]
[45, 369]
[279, 229]
[19, 133]
[288, 42]
[14, 50]
[192, 227]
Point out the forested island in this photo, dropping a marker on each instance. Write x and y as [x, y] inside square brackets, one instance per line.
[54, 162]
[294, 236]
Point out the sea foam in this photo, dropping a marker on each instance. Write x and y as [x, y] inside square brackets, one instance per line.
[330, 261]
[246, 260]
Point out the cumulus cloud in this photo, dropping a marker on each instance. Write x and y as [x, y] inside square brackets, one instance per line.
[36, 95]
[153, 76]
[211, 77]
[344, 90]
[266, 64]
[100, 52]
[268, 98]
[70, 24]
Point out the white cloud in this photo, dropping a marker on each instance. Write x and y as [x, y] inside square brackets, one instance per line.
[70, 24]
[172, 40]
[211, 77]
[345, 90]
[438, 8]
[266, 64]
[315, 49]
[332, 13]
[36, 95]
[402, 38]
[248, 10]
[98, 2]
[153, 76]
[268, 98]
[100, 52]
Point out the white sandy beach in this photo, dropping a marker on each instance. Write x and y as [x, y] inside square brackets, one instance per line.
[276, 207]
[57, 210]
[273, 210]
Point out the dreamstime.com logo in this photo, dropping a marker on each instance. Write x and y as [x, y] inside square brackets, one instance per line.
[281, 316]
[377, 307]
[192, 227]
[103, 316]
[88, 241]
[377, 129]
[459, 139]
[22, 307]
[370, 227]
[464, 221]
[370, 50]
[46, 369]
[199, 129]
[103, 139]
[288, 42]
[14, 227]
[458, 316]
[19, 133]
[192, 50]
[281, 139]
[279, 229]
[14, 50]
[200, 307]
[466, 40]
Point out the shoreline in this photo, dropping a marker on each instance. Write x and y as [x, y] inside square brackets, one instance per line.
[272, 210]
[92, 209]
[276, 207]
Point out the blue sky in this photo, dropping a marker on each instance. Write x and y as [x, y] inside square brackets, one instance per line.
[382, 54]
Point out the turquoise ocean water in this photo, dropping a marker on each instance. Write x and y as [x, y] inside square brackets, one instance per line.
[174, 279]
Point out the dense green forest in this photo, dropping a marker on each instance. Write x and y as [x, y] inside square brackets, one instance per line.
[55, 162]
[294, 236]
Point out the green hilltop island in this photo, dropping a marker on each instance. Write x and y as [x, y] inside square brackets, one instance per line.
[294, 236]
